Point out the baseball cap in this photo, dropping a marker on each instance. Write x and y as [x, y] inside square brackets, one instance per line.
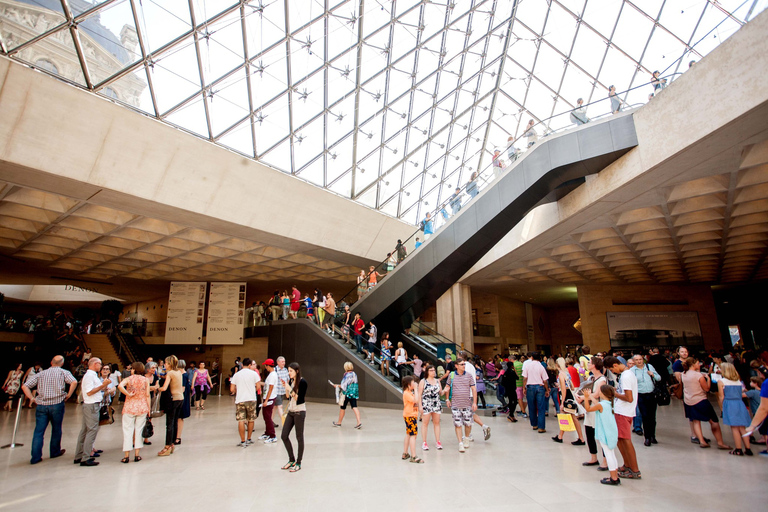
[268, 362]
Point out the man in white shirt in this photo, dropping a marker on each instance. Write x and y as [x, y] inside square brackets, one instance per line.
[92, 388]
[243, 384]
[624, 408]
[270, 393]
[472, 371]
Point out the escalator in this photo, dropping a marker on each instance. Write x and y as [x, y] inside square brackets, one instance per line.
[419, 280]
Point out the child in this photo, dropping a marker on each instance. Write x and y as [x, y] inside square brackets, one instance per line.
[411, 406]
[755, 383]
[606, 431]
[735, 413]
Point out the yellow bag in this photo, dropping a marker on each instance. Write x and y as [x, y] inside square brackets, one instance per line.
[566, 422]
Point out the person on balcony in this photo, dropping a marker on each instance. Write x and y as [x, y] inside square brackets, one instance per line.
[579, 114]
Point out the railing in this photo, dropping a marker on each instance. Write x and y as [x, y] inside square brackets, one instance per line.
[146, 329]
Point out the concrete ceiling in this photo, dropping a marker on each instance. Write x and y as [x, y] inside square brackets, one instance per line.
[44, 234]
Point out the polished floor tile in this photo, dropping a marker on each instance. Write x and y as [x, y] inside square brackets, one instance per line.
[348, 469]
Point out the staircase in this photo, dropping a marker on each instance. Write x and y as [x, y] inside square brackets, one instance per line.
[102, 347]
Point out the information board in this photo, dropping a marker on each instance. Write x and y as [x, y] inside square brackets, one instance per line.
[226, 307]
[186, 306]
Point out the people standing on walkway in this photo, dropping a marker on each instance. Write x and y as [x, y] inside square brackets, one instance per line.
[596, 380]
[350, 388]
[568, 399]
[646, 376]
[138, 403]
[243, 384]
[696, 385]
[430, 392]
[624, 410]
[12, 386]
[735, 413]
[186, 407]
[411, 408]
[51, 386]
[295, 301]
[270, 393]
[282, 376]
[615, 103]
[522, 399]
[295, 392]
[606, 430]
[93, 390]
[173, 383]
[537, 388]
[579, 114]
[677, 385]
[462, 399]
[203, 385]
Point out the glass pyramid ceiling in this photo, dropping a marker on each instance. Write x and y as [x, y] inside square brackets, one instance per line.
[391, 103]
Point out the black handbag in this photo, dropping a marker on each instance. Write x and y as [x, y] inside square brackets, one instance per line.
[106, 415]
[661, 393]
[148, 430]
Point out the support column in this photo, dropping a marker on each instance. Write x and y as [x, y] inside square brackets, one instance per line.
[454, 316]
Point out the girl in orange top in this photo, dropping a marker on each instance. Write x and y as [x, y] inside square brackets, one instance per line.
[411, 408]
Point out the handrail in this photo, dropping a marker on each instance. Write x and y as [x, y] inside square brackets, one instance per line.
[483, 177]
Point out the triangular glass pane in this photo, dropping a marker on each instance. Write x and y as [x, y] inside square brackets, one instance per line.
[549, 67]
[522, 48]
[313, 172]
[175, 76]
[373, 100]
[78, 7]
[339, 159]
[632, 32]
[602, 16]
[343, 186]
[221, 47]
[617, 71]
[405, 36]
[307, 51]
[239, 139]
[228, 102]
[376, 15]
[269, 76]
[341, 120]
[307, 100]
[311, 145]
[369, 136]
[390, 208]
[56, 55]
[264, 25]
[133, 90]
[560, 29]
[109, 41]
[191, 117]
[374, 56]
[279, 157]
[366, 171]
[368, 198]
[343, 32]
[271, 126]
[21, 22]
[341, 77]
[207, 9]
[162, 22]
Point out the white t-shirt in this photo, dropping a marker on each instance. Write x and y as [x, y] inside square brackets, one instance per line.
[271, 380]
[627, 381]
[245, 381]
[470, 369]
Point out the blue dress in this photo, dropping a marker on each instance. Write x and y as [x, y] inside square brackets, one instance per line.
[606, 430]
[735, 413]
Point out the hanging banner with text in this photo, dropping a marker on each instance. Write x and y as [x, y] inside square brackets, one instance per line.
[226, 306]
[186, 304]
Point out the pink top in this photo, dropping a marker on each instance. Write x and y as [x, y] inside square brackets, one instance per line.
[136, 404]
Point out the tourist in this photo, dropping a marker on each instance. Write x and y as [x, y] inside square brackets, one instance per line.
[512, 152]
[624, 411]
[430, 392]
[93, 393]
[537, 388]
[531, 134]
[758, 419]
[362, 284]
[471, 188]
[472, 371]
[173, 383]
[567, 399]
[606, 430]
[658, 83]
[270, 394]
[186, 406]
[203, 385]
[411, 408]
[735, 413]
[386, 354]
[373, 277]
[295, 301]
[416, 366]
[243, 384]
[508, 383]
[615, 108]
[428, 226]
[646, 376]
[12, 386]
[330, 313]
[597, 379]
[349, 387]
[400, 251]
[35, 369]
[418, 243]
[401, 360]
[357, 331]
[295, 392]
[462, 399]
[138, 403]
[584, 360]
[553, 373]
[522, 399]
[371, 347]
[579, 114]
[696, 385]
[282, 376]
[391, 261]
[346, 324]
[573, 372]
[51, 395]
[455, 201]
[150, 373]
[677, 381]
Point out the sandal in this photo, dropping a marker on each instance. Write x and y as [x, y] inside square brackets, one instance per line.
[177, 441]
[125, 460]
[136, 459]
[289, 465]
[295, 468]
[737, 451]
[726, 447]
[405, 457]
[416, 460]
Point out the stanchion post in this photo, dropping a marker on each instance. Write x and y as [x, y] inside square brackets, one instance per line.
[14, 444]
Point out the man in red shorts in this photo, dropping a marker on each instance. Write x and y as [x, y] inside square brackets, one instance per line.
[624, 410]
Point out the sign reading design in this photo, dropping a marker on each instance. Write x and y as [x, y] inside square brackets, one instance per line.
[186, 303]
[226, 307]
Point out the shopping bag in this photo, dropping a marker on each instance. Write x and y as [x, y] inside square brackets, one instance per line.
[566, 422]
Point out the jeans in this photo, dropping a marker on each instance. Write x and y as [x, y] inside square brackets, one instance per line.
[43, 415]
[500, 396]
[359, 342]
[269, 426]
[646, 402]
[537, 405]
[294, 419]
[88, 431]
[172, 421]
[637, 421]
[556, 401]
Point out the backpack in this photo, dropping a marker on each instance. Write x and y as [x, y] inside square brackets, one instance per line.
[422, 225]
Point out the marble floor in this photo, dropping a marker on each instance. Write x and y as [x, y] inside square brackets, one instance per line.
[348, 469]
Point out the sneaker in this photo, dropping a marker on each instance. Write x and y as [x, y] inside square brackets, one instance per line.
[557, 439]
[578, 443]
[439, 445]
[270, 440]
[262, 437]
[524, 415]
[466, 441]
[248, 442]
[461, 448]
[470, 438]
[425, 447]
[336, 424]
[486, 432]
[242, 444]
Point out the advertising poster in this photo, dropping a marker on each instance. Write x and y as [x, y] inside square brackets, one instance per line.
[186, 304]
[654, 328]
[226, 307]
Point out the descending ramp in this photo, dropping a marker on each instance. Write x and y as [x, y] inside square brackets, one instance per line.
[433, 268]
[322, 358]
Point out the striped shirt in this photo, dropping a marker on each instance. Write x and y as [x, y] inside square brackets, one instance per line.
[461, 392]
[282, 375]
[51, 385]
